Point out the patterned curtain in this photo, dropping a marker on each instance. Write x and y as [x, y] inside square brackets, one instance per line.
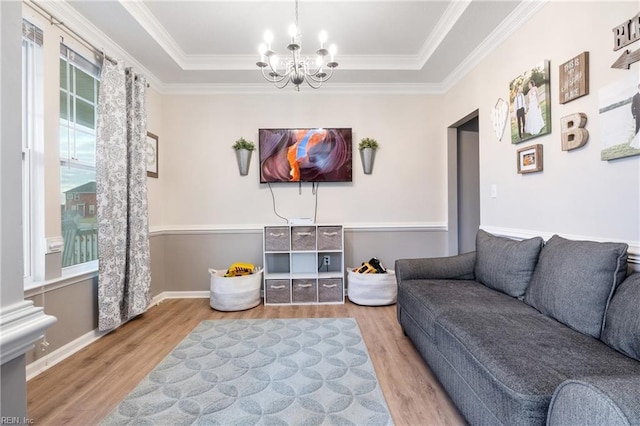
[124, 277]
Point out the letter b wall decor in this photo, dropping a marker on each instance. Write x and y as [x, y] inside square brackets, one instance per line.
[572, 131]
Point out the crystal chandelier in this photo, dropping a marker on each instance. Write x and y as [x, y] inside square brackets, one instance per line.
[296, 69]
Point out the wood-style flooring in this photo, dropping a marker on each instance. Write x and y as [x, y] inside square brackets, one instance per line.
[84, 388]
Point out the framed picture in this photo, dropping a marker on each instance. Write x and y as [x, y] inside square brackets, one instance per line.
[574, 78]
[530, 159]
[530, 103]
[619, 107]
[152, 155]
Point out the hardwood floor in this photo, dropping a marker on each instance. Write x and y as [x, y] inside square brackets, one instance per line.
[85, 387]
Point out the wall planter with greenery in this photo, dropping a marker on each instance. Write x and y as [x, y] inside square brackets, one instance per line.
[243, 149]
[368, 148]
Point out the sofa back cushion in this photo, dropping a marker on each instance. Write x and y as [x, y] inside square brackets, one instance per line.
[504, 264]
[622, 321]
[574, 280]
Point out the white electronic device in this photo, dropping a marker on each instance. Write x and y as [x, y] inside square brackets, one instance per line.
[301, 221]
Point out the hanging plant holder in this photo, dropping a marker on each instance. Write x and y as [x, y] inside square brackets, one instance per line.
[243, 149]
[368, 147]
[243, 156]
[367, 155]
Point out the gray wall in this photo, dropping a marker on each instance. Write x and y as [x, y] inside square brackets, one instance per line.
[13, 393]
[180, 262]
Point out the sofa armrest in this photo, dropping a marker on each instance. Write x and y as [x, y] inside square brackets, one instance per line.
[452, 267]
[596, 401]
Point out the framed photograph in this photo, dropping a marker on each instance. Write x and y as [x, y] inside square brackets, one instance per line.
[152, 155]
[530, 103]
[530, 159]
[619, 107]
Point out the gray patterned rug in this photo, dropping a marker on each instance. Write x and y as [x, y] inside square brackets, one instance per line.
[266, 372]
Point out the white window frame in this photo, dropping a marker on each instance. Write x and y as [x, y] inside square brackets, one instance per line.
[71, 161]
[33, 154]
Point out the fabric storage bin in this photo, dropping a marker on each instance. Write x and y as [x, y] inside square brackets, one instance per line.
[276, 238]
[277, 291]
[330, 290]
[304, 291]
[329, 238]
[303, 238]
[235, 293]
[372, 289]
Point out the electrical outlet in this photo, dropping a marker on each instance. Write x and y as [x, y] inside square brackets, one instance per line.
[327, 260]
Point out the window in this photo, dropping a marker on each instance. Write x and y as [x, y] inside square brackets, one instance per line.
[78, 103]
[32, 151]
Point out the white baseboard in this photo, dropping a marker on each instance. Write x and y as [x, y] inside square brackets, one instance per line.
[204, 294]
[42, 364]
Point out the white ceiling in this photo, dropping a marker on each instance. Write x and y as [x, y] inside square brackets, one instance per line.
[393, 45]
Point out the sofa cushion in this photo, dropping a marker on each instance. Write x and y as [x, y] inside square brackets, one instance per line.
[574, 281]
[622, 323]
[504, 264]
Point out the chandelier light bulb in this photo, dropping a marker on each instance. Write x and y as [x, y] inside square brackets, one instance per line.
[293, 31]
[268, 38]
[262, 49]
[332, 51]
[274, 60]
[323, 38]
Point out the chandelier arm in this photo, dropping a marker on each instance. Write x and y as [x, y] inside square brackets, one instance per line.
[313, 86]
[274, 79]
[323, 79]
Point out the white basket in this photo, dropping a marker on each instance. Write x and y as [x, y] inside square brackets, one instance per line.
[372, 289]
[235, 293]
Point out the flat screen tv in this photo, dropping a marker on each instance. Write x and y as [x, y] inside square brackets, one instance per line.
[305, 155]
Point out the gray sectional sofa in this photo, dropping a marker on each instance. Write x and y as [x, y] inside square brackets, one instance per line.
[528, 333]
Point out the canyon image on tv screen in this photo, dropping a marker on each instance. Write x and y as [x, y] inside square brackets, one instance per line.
[305, 155]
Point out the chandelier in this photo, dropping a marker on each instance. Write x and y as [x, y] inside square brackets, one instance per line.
[296, 69]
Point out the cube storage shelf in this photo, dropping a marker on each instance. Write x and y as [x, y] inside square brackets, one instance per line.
[294, 269]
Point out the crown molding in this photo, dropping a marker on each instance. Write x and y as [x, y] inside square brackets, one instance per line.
[440, 31]
[83, 27]
[152, 26]
[330, 89]
[513, 22]
[78, 23]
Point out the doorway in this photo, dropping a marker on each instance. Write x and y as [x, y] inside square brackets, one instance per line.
[464, 184]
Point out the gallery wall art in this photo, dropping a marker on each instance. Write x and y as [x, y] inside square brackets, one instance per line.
[530, 103]
[619, 114]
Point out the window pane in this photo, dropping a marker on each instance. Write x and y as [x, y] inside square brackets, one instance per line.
[63, 106]
[77, 162]
[63, 74]
[85, 147]
[79, 226]
[84, 85]
[85, 114]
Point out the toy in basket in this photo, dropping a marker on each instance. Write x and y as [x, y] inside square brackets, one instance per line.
[235, 289]
[371, 284]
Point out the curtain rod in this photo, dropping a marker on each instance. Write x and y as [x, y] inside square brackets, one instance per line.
[58, 23]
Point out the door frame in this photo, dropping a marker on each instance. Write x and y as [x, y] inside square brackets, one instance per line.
[452, 182]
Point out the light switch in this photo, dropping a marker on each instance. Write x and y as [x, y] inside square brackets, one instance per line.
[494, 190]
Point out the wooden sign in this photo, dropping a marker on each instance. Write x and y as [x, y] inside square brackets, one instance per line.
[626, 33]
[627, 58]
[574, 78]
[623, 35]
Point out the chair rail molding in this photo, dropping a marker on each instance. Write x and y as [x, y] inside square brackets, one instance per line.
[520, 234]
[21, 326]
